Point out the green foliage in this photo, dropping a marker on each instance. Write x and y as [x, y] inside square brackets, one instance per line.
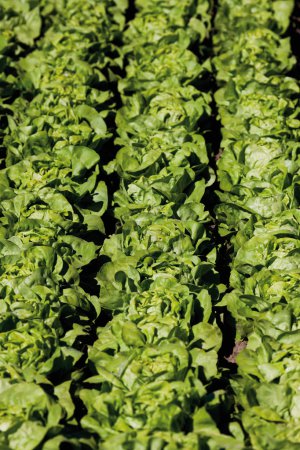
[154, 363]
[57, 108]
[259, 177]
[136, 367]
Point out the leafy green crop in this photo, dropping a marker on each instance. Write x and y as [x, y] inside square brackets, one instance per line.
[154, 364]
[95, 94]
[259, 177]
[53, 197]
